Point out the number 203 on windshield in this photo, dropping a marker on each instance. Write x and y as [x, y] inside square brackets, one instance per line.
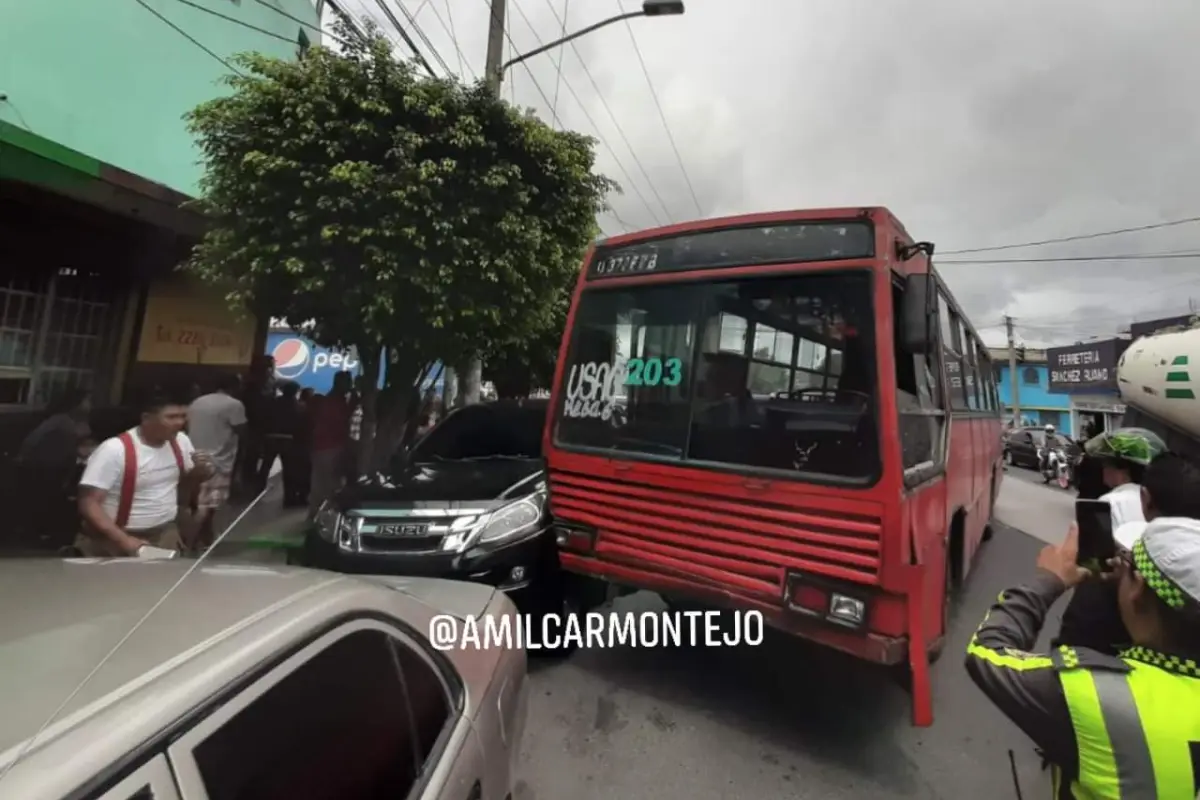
[653, 371]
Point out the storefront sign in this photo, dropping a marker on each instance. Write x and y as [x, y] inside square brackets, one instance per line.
[1090, 366]
[189, 324]
[1101, 407]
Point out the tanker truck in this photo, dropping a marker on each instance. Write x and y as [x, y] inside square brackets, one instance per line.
[1159, 381]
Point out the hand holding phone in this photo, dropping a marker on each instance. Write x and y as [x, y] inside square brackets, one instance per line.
[1096, 543]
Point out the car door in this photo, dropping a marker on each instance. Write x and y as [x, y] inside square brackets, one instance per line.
[338, 720]
[1024, 449]
[150, 781]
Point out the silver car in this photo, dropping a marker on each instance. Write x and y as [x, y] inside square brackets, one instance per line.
[248, 683]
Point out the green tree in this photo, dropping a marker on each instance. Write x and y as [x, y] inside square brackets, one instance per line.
[390, 212]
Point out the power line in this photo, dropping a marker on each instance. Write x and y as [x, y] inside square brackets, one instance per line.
[408, 39]
[588, 116]
[661, 113]
[448, 29]
[1080, 238]
[453, 38]
[1129, 257]
[561, 53]
[604, 104]
[302, 22]
[239, 22]
[189, 37]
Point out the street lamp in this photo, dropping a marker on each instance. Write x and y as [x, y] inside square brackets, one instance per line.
[650, 8]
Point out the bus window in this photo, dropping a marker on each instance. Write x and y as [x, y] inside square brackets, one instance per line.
[918, 399]
[628, 376]
[971, 383]
[758, 373]
[802, 397]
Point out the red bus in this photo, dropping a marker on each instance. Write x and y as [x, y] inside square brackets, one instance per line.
[784, 412]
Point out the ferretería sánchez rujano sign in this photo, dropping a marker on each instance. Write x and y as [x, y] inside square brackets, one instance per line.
[1090, 366]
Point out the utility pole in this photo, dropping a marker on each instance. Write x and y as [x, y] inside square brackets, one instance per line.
[1014, 384]
[471, 377]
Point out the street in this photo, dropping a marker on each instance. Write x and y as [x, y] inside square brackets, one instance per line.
[787, 719]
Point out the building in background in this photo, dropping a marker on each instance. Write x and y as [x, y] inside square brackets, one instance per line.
[1039, 406]
[1086, 374]
[95, 162]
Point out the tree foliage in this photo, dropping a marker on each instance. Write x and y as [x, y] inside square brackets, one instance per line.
[389, 210]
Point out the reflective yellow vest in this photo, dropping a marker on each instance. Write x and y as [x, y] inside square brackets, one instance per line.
[1138, 733]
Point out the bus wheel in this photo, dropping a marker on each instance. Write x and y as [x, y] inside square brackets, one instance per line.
[952, 580]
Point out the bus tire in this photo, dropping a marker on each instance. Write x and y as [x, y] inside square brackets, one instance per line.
[953, 581]
[988, 530]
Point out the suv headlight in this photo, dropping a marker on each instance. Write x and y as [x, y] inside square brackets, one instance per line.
[513, 520]
[331, 523]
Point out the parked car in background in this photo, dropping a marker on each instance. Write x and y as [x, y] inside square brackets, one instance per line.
[1021, 446]
[272, 683]
[468, 502]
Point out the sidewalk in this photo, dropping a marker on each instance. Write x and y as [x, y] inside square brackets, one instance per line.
[266, 533]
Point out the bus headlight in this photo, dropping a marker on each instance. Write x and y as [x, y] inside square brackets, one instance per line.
[849, 611]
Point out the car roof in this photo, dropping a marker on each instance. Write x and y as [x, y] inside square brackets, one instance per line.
[62, 617]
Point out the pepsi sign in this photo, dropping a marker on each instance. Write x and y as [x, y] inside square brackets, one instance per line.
[300, 360]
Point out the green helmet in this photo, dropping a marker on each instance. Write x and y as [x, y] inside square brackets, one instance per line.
[1134, 445]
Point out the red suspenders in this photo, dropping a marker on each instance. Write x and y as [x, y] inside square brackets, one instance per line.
[129, 477]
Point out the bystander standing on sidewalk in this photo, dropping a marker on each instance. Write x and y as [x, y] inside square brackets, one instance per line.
[285, 435]
[216, 422]
[48, 466]
[133, 491]
[258, 390]
[330, 441]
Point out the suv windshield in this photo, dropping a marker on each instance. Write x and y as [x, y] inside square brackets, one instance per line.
[763, 373]
[488, 430]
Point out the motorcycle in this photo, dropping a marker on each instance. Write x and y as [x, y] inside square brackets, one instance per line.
[1055, 466]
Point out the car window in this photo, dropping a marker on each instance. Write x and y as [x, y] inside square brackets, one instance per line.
[151, 781]
[341, 726]
[485, 431]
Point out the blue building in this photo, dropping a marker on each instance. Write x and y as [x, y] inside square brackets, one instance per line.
[1039, 406]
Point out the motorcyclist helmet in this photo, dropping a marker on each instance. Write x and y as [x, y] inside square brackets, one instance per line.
[1130, 445]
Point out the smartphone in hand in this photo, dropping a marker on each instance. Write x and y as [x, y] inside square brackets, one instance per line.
[1096, 542]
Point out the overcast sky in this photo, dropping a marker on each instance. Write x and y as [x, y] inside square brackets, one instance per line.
[977, 123]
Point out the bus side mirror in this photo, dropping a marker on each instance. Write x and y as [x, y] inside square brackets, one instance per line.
[918, 321]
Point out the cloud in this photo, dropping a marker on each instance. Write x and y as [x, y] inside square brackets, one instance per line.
[978, 124]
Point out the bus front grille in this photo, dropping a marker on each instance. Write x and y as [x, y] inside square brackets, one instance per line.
[709, 534]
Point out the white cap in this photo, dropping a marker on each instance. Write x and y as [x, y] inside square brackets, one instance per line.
[1173, 545]
[1128, 533]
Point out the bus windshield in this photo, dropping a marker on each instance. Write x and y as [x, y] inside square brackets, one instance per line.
[766, 374]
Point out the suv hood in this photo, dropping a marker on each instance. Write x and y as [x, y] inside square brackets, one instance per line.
[447, 482]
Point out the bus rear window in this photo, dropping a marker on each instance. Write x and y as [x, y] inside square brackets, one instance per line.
[770, 374]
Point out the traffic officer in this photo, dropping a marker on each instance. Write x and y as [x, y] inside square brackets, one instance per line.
[1111, 727]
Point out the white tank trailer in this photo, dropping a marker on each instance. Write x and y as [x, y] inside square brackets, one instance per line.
[1159, 381]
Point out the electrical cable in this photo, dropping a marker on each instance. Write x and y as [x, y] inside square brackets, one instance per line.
[453, 37]
[449, 31]
[236, 21]
[408, 39]
[189, 37]
[591, 120]
[302, 22]
[561, 53]
[603, 103]
[661, 113]
[1079, 238]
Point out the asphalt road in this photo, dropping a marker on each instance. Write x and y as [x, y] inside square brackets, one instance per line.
[785, 719]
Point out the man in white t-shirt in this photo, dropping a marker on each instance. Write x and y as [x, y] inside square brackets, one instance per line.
[215, 423]
[132, 490]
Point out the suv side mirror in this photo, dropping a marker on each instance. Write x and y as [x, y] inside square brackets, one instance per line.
[918, 321]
